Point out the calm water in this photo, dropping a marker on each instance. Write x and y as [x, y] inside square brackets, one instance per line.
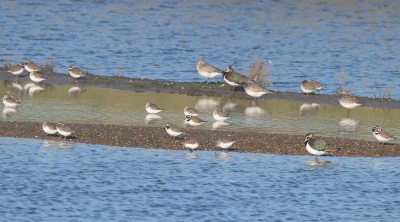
[94, 105]
[164, 39]
[44, 182]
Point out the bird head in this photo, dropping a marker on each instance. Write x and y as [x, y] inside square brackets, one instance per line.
[308, 138]
[376, 129]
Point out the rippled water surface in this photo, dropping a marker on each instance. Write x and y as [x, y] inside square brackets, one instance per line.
[54, 181]
[354, 43]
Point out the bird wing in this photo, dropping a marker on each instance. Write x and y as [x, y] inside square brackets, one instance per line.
[320, 145]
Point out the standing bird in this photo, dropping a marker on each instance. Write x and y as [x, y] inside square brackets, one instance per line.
[10, 100]
[16, 69]
[225, 144]
[64, 130]
[311, 86]
[194, 120]
[30, 66]
[152, 108]
[191, 145]
[317, 147]
[207, 70]
[255, 90]
[75, 72]
[36, 76]
[234, 78]
[220, 115]
[49, 128]
[382, 135]
[173, 130]
[190, 111]
[317, 85]
[348, 101]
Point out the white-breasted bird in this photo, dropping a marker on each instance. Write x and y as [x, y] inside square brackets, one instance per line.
[382, 135]
[317, 147]
[173, 131]
[152, 108]
[207, 70]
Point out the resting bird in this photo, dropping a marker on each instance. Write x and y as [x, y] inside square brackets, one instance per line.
[311, 86]
[317, 147]
[207, 70]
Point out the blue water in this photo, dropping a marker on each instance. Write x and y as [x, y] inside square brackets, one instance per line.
[54, 181]
[350, 43]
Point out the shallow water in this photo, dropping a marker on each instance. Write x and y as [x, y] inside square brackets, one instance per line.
[349, 42]
[95, 105]
[44, 182]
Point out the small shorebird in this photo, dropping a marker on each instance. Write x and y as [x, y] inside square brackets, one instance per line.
[190, 111]
[207, 70]
[234, 78]
[64, 130]
[29, 66]
[317, 85]
[194, 120]
[191, 145]
[10, 100]
[255, 90]
[311, 86]
[49, 128]
[225, 144]
[382, 135]
[152, 108]
[220, 115]
[348, 101]
[16, 69]
[173, 130]
[36, 77]
[75, 72]
[317, 147]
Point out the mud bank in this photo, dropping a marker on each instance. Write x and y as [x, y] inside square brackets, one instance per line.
[157, 138]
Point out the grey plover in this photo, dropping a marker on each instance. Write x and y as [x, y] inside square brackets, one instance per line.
[225, 143]
[152, 108]
[255, 90]
[190, 111]
[382, 135]
[64, 130]
[348, 101]
[207, 70]
[317, 85]
[49, 129]
[191, 144]
[173, 130]
[311, 86]
[317, 147]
